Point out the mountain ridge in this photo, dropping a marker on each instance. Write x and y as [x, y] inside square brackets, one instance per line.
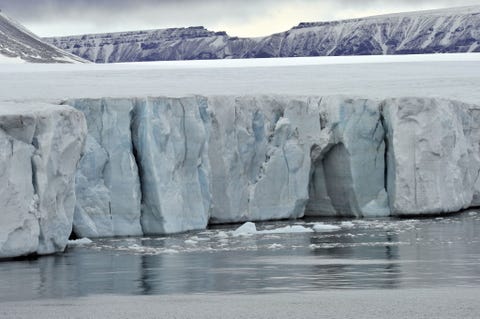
[18, 44]
[431, 31]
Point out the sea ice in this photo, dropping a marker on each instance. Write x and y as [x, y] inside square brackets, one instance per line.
[347, 225]
[79, 242]
[250, 228]
[321, 227]
[247, 228]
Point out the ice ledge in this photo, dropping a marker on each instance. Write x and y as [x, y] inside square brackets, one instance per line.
[220, 159]
[40, 146]
[162, 165]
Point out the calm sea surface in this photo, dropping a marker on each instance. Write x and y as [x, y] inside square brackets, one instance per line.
[369, 253]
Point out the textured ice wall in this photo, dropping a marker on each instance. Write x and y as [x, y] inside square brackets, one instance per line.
[274, 155]
[347, 173]
[145, 168]
[40, 146]
[164, 165]
[257, 159]
[433, 155]
[170, 138]
[230, 159]
[107, 182]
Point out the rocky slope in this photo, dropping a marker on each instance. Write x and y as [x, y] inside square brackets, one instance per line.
[437, 31]
[17, 44]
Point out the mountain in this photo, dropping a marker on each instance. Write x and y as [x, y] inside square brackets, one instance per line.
[435, 31]
[193, 43]
[17, 44]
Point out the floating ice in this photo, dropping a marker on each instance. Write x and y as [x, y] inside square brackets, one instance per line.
[275, 246]
[221, 235]
[347, 225]
[79, 242]
[287, 230]
[321, 227]
[249, 228]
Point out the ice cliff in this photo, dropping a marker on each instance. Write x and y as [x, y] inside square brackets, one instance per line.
[40, 147]
[433, 157]
[161, 165]
[164, 165]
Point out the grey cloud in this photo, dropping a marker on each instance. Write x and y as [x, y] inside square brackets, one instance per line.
[116, 15]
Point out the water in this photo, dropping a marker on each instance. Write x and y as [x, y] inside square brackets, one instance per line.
[370, 253]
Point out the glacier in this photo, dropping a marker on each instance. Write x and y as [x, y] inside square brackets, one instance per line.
[224, 159]
[107, 180]
[41, 145]
[433, 155]
[160, 165]
[170, 138]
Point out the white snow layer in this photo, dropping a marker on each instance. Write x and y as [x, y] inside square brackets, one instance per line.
[40, 146]
[161, 165]
[452, 76]
[10, 60]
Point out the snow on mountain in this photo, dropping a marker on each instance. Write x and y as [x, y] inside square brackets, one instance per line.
[193, 43]
[435, 31]
[18, 45]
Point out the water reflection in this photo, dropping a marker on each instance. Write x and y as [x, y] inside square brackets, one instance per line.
[385, 253]
[382, 272]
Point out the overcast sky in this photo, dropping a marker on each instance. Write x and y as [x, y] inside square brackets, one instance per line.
[237, 17]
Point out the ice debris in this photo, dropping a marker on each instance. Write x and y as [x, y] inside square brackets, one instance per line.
[250, 228]
[80, 242]
[321, 227]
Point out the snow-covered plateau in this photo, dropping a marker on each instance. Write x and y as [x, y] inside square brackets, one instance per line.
[232, 143]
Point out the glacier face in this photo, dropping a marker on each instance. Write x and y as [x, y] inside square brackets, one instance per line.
[433, 155]
[347, 173]
[260, 173]
[170, 138]
[437, 31]
[107, 182]
[220, 159]
[160, 165]
[41, 146]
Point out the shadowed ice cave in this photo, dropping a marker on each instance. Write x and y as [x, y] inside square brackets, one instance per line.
[331, 184]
